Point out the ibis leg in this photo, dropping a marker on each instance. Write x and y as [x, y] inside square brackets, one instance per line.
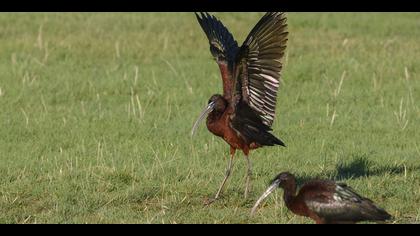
[227, 175]
[248, 176]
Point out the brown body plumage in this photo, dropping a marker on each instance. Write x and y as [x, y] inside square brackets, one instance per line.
[218, 122]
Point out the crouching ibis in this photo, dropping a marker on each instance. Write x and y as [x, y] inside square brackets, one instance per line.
[324, 201]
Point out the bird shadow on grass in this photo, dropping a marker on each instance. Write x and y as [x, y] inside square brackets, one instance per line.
[359, 167]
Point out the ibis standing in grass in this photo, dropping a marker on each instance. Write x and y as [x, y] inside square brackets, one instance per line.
[325, 201]
[244, 113]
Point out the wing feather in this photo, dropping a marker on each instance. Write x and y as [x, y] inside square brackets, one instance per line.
[260, 57]
[220, 39]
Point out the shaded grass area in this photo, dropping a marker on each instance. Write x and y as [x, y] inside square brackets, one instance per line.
[96, 111]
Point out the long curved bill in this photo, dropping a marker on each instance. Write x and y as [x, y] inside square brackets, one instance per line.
[267, 192]
[204, 113]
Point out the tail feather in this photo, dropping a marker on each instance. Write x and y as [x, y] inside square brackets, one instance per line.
[373, 212]
[381, 215]
[268, 139]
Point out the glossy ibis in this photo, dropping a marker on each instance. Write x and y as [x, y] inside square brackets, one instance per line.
[325, 201]
[244, 114]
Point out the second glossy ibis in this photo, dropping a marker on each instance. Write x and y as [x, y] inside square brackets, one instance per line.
[244, 113]
[325, 201]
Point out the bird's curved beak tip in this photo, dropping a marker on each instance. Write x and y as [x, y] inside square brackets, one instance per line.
[267, 192]
[209, 108]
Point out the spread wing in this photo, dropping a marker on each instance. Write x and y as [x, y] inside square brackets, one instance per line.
[258, 66]
[223, 47]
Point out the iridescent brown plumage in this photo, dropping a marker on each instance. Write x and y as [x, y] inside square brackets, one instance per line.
[325, 201]
[244, 113]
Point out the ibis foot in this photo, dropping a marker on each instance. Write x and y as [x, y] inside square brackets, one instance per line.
[208, 201]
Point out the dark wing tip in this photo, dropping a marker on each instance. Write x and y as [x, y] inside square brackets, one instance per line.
[202, 15]
[198, 16]
[201, 20]
[217, 34]
[385, 215]
[376, 213]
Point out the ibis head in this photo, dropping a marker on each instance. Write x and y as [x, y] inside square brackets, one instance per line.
[216, 104]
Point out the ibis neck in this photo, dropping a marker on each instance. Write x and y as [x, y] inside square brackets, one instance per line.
[227, 81]
[214, 116]
[289, 194]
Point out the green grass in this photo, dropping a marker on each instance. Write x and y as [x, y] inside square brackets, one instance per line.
[96, 112]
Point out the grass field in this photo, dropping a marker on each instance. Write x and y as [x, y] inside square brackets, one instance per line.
[96, 113]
